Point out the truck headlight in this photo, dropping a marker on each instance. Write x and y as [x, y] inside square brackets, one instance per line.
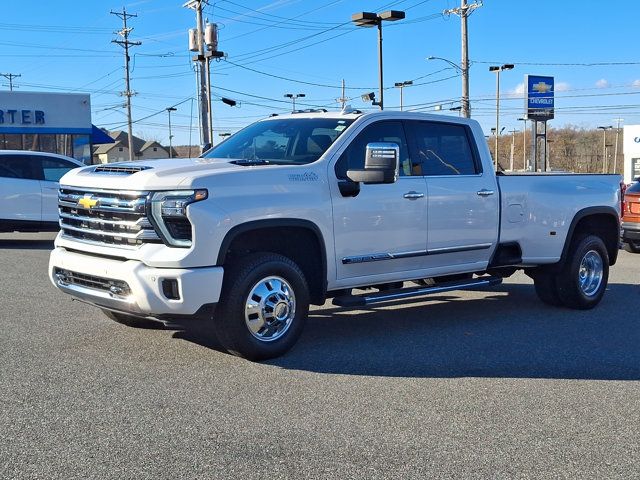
[169, 215]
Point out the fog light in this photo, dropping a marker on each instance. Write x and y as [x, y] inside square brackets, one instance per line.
[170, 288]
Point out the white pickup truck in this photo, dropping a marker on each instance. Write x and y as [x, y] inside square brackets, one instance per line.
[300, 208]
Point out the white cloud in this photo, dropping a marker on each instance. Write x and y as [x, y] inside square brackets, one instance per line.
[518, 91]
[562, 87]
[636, 83]
[603, 83]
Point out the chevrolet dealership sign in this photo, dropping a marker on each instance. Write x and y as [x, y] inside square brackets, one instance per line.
[539, 97]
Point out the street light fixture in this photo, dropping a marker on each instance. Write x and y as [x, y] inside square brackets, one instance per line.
[169, 110]
[604, 146]
[293, 98]
[401, 86]
[498, 69]
[464, 71]
[370, 19]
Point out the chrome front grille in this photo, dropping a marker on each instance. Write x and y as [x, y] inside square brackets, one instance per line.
[106, 217]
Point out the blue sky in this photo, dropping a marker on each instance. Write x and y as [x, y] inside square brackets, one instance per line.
[589, 47]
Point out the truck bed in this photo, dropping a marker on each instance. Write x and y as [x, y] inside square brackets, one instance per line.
[537, 209]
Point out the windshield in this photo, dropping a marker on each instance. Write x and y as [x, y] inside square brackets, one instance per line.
[281, 141]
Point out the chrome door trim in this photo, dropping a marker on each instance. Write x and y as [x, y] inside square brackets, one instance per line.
[377, 257]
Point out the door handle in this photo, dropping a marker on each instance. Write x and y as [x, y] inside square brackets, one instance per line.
[413, 195]
[485, 193]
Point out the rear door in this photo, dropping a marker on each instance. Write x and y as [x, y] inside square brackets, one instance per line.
[463, 203]
[51, 170]
[19, 188]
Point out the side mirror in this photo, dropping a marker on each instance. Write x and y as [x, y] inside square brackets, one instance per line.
[380, 164]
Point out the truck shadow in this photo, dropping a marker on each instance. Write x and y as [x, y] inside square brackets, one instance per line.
[507, 332]
[27, 244]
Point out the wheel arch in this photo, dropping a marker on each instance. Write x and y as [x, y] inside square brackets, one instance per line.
[298, 239]
[602, 221]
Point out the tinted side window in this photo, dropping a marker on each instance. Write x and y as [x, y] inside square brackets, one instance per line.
[387, 131]
[19, 166]
[54, 168]
[442, 149]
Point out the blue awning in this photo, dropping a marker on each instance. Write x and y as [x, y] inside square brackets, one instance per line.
[98, 136]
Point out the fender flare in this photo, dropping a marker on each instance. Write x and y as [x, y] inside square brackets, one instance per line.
[586, 212]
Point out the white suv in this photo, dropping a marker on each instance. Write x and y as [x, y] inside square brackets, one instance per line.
[29, 189]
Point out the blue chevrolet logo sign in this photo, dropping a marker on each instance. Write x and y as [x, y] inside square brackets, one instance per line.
[540, 97]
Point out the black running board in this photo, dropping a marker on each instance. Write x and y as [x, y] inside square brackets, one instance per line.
[389, 295]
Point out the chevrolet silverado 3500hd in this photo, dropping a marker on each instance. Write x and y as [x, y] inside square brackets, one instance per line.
[300, 208]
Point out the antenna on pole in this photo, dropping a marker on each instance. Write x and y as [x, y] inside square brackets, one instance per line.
[126, 43]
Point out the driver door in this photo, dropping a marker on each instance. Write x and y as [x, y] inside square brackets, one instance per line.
[382, 230]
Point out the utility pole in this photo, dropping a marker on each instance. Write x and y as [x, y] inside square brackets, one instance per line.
[126, 43]
[463, 12]
[10, 77]
[343, 99]
[205, 43]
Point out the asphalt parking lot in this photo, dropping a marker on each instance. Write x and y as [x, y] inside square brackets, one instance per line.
[489, 384]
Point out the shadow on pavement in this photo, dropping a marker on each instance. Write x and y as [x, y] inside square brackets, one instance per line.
[26, 244]
[508, 333]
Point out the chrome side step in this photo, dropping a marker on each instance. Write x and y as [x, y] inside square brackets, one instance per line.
[386, 296]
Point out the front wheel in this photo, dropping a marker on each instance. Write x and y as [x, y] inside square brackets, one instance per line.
[583, 279]
[263, 307]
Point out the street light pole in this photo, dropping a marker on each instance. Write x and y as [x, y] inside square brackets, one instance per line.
[615, 155]
[169, 110]
[524, 143]
[370, 19]
[497, 70]
[604, 146]
[401, 86]
[293, 98]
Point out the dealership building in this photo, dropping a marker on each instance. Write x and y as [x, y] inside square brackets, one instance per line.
[631, 147]
[49, 122]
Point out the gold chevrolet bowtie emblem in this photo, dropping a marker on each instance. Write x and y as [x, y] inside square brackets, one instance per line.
[542, 87]
[88, 202]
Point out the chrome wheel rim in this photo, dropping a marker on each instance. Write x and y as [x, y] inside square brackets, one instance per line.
[590, 273]
[270, 309]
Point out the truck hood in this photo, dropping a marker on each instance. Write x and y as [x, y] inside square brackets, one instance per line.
[147, 174]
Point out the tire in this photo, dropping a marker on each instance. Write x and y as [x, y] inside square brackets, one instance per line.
[132, 320]
[263, 306]
[547, 289]
[583, 278]
[632, 247]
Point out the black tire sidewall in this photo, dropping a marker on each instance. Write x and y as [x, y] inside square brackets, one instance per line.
[230, 324]
[568, 281]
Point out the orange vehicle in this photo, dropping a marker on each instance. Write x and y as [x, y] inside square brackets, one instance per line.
[631, 218]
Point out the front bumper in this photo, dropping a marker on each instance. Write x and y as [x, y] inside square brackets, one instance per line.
[130, 286]
[630, 232]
